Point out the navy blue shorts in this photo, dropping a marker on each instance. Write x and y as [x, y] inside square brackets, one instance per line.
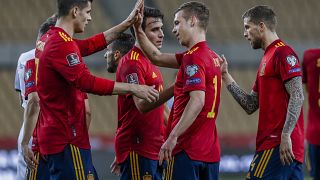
[41, 172]
[182, 167]
[71, 164]
[137, 167]
[267, 165]
[313, 160]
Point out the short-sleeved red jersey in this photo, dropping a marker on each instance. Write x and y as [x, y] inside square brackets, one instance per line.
[199, 70]
[279, 64]
[142, 133]
[311, 77]
[62, 76]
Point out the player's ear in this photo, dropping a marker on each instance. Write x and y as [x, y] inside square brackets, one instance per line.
[193, 21]
[262, 26]
[117, 55]
[74, 11]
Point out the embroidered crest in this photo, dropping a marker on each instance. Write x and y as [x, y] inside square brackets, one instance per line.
[291, 60]
[73, 59]
[191, 70]
[132, 78]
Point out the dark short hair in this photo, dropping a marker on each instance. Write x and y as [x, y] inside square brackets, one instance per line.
[123, 43]
[45, 26]
[147, 13]
[196, 9]
[262, 13]
[64, 6]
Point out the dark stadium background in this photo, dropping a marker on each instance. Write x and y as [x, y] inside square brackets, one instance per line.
[299, 26]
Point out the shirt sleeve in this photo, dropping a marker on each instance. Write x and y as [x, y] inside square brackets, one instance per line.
[304, 67]
[287, 63]
[30, 77]
[132, 72]
[17, 79]
[179, 57]
[69, 64]
[194, 74]
[91, 45]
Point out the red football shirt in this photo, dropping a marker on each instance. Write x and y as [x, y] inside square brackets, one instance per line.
[142, 133]
[279, 64]
[62, 76]
[199, 70]
[311, 77]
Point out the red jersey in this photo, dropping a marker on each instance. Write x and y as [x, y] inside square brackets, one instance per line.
[279, 64]
[142, 133]
[62, 76]
[199, 70]
[311, 77]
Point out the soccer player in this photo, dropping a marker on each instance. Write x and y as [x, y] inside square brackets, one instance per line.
[62, 77]
[140, 131]
[278, 93]
[311, 78]
[117, 49]
[20, 86]
[192, 137]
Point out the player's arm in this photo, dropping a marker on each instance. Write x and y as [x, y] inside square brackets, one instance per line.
[166, 114]
[190, 113]
[113, 33]
[295, 91]
[248, 101]
[31, 114]
[70, 65]
[152, 52]
[145, 106]
[88, 112]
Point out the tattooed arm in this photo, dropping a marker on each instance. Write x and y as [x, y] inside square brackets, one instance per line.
[294, 88]
[249, 102]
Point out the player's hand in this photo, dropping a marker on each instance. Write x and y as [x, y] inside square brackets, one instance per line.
[166, 149]
[114, 167]
[223, 65]
[133, 17]
[28, 157]
[286, 153]
[149, 93]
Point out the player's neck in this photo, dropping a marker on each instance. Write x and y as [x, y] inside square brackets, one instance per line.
[66, 26]
[196, 39]
[269, 38]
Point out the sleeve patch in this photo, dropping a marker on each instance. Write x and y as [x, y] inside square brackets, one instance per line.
[291, 60]
[27, 74]
[191, 70]
[30, 84]
[295, 70]
[192, 81]
[73, 59]
[132, 78]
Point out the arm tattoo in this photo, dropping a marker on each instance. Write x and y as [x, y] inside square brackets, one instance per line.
[249, 102]
[112, 36]
[294, 88]
[154, 53]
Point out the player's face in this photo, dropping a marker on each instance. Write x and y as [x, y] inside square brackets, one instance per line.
[112, 62]
[252, 33]
[83, 18]
[154, 31]
[181, 29]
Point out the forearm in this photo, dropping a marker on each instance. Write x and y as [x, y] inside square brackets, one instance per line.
[190, 113]
[294, 88]
[153, 53]
[123, 88]
[113, 33]
[144, 106]
[166, 113]
[249, 102]
[31, 114]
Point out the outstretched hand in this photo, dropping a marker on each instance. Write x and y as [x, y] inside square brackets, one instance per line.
[136, 12]
[223, 64]
[149, 93]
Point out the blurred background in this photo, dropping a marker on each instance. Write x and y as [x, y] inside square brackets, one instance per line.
[298, 25]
